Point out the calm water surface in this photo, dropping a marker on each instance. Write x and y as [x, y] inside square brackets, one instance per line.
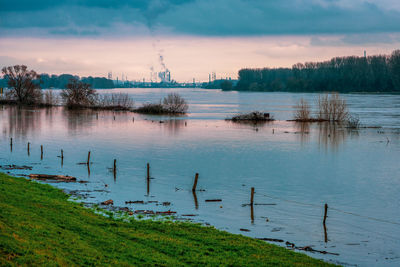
[295, 169]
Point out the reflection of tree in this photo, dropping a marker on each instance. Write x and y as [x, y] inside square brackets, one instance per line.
[303, 129]
[331, 135]
[21, 120]
[173, 126]
[78, 118]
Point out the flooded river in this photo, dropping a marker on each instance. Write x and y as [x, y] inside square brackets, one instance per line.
[294, 168]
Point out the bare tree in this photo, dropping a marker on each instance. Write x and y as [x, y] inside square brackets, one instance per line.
[332, 108]
[49, 98]
[21, 82]
[78, 94]
[302, 111]
[174, 103]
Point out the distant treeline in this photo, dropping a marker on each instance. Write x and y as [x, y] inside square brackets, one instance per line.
[341, 74]
[47, 81]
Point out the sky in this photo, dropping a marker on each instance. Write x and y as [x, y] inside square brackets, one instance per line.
[191, 38]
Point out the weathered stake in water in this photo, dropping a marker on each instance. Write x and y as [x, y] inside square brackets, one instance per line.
[148, 179]
[324, 223]
[11, 144]
[41, 152]
[88, 158]
[196, 203]
[252, 205]
[115, 169]
[28, 149]
[196, 178]
[252, 197]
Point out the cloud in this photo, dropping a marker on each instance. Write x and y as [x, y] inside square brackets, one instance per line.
[197, 17]
[356, 39]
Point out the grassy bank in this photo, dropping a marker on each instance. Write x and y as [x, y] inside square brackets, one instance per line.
[39, 226]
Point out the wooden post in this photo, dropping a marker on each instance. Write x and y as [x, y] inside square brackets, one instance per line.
[62, 154]
[326, 211]
[88, 158]
[41, 151]
[196, 203]
[195, 182]
[252, 197]
[148, 171]
[252, 214]
[28, 149]
[114, 169]
[11, 144]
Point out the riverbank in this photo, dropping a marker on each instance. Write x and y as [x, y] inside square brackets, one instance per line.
[38, 225]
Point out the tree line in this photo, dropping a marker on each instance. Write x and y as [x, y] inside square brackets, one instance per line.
[47, 81]
[380, 73]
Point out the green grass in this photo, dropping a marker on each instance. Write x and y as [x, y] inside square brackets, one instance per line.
[39, 226]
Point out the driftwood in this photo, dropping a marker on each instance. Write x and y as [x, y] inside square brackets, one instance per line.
[15, 167]
[52, 177]
[108, 202]
[213, 200]
[135, 202]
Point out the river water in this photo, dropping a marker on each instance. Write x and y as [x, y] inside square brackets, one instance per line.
[294, 168]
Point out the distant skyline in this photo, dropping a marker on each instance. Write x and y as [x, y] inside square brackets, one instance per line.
[193, 37]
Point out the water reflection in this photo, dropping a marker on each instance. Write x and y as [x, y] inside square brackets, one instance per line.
[303, 129]
[174, 126]
[78, 119]
[331, 135]
[20, 120]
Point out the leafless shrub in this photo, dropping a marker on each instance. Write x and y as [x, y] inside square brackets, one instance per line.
[302, 111]
[49, 98]
[23, 89]
[79, 94]
[116, 101]
[332, 108]
[174, 103]
[353, 122]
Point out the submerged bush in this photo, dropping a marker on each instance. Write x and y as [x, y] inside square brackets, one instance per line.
[353, 122]
[116, 101]
[331, 107]
[302, 111]
[49, 98]
[151, 108]
[79, 94]
[174, 103]
[255, 116]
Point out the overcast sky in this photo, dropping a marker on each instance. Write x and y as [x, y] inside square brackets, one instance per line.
[195, 37]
